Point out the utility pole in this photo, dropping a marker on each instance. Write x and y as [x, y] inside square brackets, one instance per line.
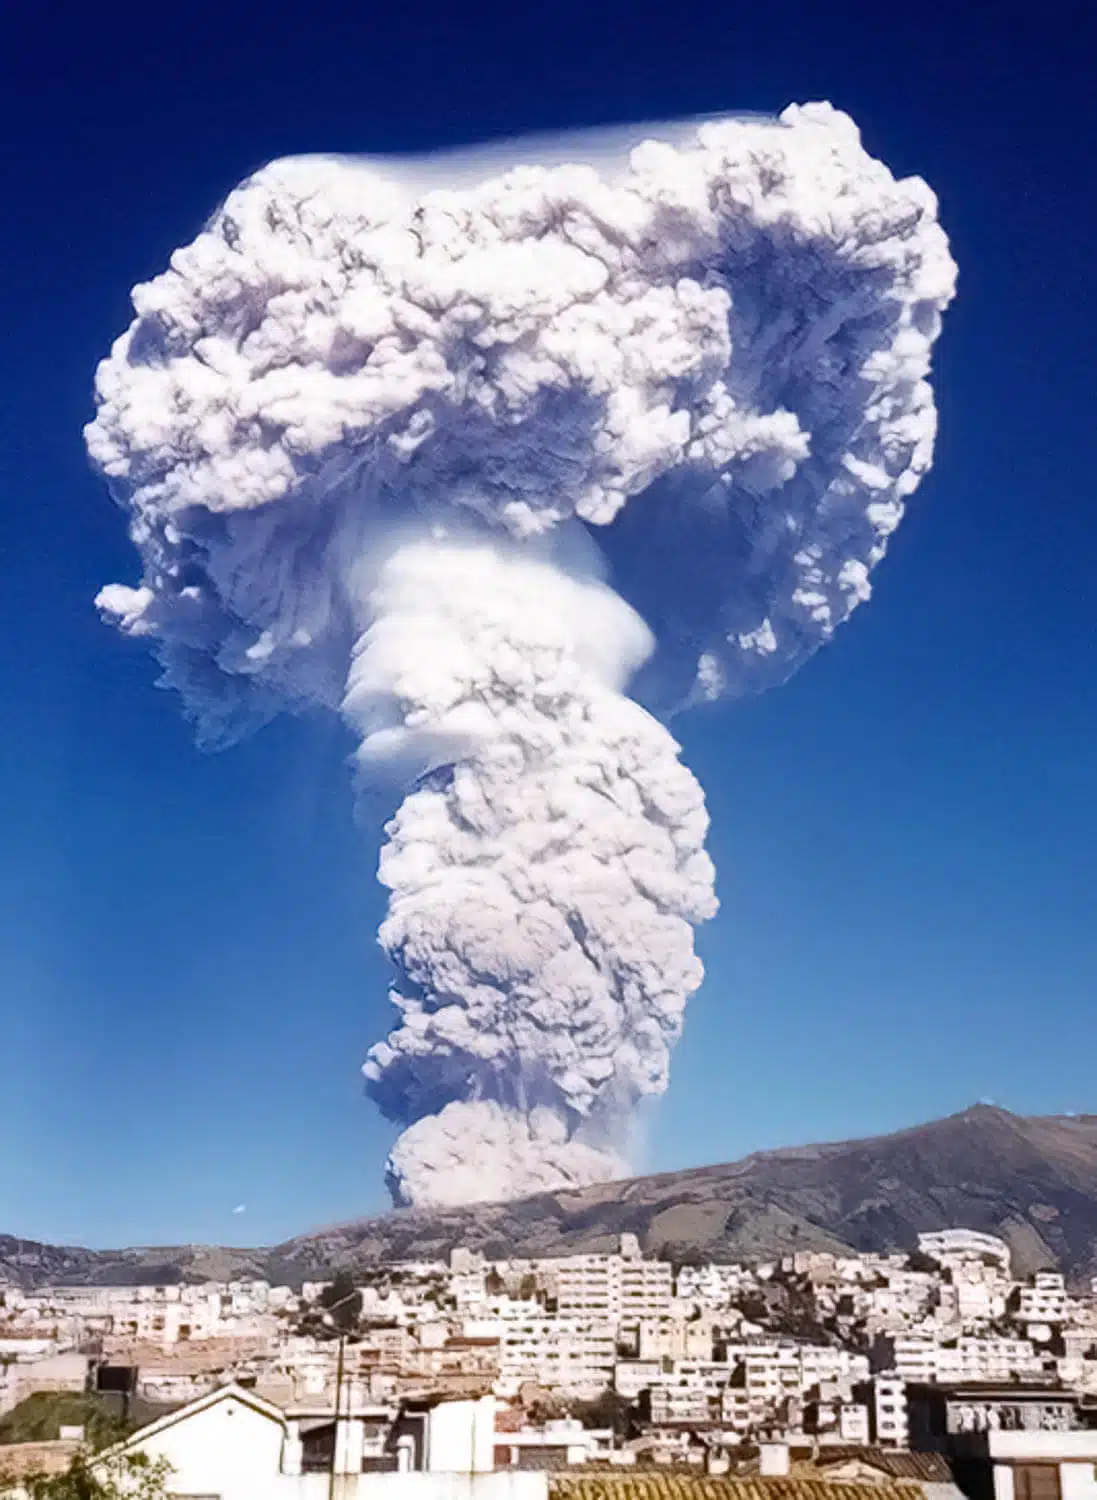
[329, 1319]
[338, 1406]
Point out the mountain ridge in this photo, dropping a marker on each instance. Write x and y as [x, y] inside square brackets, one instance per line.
[1030, 1179]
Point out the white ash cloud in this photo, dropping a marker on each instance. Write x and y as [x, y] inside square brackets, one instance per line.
[365, 434]
[543, 884]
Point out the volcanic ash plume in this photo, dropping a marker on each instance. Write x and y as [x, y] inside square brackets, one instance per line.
[386, 454]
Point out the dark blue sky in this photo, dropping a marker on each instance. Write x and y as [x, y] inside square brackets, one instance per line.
[905, 834]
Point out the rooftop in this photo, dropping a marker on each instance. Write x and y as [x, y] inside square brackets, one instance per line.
[19, 1460]
[927, 1468]
[657, 1484]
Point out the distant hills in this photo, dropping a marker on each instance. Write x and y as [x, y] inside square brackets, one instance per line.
[1031, 1180]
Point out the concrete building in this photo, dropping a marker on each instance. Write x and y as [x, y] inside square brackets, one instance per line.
[1043, 1465]
[674, 1338]
[623, 1289]
[631, 1376]
[890, 1425]
[976, 1360]
[238, 1446]
[565, 1443]
[943, 1419]
[951, 1247]
[565, 1354]
[1045, 1301]
[468, 1280]
[712, 1286]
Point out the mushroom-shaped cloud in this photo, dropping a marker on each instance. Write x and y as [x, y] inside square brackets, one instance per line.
[382, 450]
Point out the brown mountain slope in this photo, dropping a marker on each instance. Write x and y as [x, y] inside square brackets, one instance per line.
[1031, 1180]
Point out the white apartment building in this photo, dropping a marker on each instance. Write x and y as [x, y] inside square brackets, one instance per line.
[979, 1301]
[631, 1376]
[853, 1424]
[511, 1309]
[156, 1314]
[623, 1289]
[821, 1363]
[384, 1305]
[905, 1299]
[921, 1359]
[647, 1290]
[890, 1418]
[914, 1356]
[712, 1286]
[703, 1374]
[1080, 1341]
[776, 1369]
[468, 1280]
[987, 1359]
[674, 1338]
[567, 1354]
[682, 1403]
[1077, 1373]
[773, 1370]
[951, 1247]
[735, 1409]
[1045, 1301]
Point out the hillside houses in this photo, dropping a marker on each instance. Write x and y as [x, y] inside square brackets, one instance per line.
[816, 1348]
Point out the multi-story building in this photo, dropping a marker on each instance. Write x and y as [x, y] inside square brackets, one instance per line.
[887, 1405]
[913, 1356]
[853, 1424]
[987, 1359]
[1045, 1301]
[631, 1376]
[468, 1280]
[674, 1338]
[564, 1325]
[566, 1354]
[623, 1289]
[682, 1402]
[712, 1286]
[952, 1247]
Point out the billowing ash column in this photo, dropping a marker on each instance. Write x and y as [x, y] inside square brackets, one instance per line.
[465, 467]
[544, 874]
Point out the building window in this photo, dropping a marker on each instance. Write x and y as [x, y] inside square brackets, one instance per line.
[1036, 1482]
[318, 1449]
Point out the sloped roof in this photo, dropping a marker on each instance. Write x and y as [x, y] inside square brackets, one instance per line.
[228, 1392]
[20, 1460]
[656, 1484]
[927, 1468]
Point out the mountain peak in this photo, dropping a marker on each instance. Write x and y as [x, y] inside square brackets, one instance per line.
[986, 1109]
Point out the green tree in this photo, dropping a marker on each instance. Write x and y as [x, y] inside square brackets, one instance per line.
[40, 1416]
[610, 1409]
[342, 1301]
[918, 1260]
[111, 1476]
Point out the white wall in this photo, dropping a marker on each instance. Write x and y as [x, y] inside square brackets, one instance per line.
[461, 1436]
[1076, 1452]
[1003, 1482]
[229, 1450]
[1077, 1481]
[1037, 1447]
[235, 1452]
